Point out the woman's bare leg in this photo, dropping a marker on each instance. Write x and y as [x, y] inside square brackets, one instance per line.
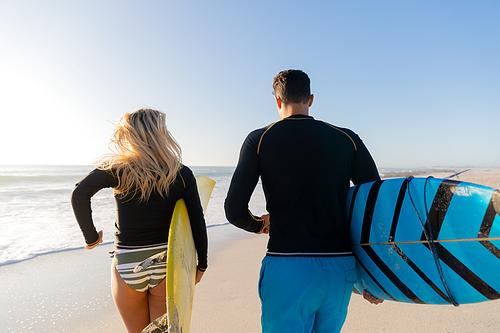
[132, 305]
[157, 300]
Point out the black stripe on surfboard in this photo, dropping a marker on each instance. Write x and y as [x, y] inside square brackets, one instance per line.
[397, 249]
[369, 209]
[419, 272]
[397, 210]
[373, 278]
[491, 212]
[465, 273]
[365, 237]
[439, 207]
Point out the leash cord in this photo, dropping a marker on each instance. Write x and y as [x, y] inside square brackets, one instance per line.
[429, 237]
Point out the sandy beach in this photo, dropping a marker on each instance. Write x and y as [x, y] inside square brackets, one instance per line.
[70, 292]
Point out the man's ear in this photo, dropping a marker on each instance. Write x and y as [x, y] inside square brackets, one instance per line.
[278, 102]
[311, 99]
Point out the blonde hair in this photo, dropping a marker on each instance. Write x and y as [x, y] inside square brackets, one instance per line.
[145, 157]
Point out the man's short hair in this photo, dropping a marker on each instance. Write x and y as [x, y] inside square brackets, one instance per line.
[292, 86]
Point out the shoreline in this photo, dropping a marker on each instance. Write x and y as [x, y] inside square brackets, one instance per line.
[488, 176]
[18, 251]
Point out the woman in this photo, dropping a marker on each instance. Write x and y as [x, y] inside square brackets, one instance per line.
[147, 178]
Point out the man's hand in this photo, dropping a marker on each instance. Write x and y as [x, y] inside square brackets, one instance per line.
[371, 299]
[265, 226]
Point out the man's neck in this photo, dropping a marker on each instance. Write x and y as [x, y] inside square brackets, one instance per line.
[288, 110]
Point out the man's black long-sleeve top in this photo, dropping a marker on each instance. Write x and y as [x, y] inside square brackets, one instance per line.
[306, 167]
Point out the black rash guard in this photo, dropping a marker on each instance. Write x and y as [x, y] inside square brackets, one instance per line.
[306, 167]
[142, 224]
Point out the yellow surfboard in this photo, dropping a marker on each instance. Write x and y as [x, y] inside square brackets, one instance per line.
[181, 266]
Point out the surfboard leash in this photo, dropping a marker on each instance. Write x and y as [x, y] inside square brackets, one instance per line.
[458, 173]
[429, 236]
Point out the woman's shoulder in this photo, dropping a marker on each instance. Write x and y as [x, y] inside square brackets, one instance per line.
[105, 173]
[96, 178]
[184, 170]
[186, 175]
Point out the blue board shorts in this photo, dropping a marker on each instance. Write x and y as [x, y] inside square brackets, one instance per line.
[305, 294]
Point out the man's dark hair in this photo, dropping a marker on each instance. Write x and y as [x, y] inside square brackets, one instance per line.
[292, 86]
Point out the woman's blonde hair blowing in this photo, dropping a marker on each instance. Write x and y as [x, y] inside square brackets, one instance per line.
[145, 157]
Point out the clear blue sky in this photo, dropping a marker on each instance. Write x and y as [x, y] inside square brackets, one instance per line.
[419, 81]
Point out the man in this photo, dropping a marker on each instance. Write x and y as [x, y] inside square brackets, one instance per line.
[306, 167]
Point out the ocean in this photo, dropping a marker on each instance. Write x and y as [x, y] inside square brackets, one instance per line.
[36, 216]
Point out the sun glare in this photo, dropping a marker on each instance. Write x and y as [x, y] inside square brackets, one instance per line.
[31, 111]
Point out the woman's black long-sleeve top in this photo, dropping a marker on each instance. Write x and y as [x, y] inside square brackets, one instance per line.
[142, 224]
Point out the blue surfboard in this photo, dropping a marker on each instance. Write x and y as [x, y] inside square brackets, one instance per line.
[426, 240]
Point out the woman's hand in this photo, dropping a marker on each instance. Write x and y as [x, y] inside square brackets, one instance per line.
[98, 242]
[199, 275]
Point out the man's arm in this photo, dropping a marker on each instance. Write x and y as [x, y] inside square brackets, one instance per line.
[364, 168]
[245, 178]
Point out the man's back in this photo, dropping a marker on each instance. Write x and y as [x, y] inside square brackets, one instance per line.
[306, 166]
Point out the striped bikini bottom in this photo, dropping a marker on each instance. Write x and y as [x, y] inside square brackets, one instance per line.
[125, 261]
